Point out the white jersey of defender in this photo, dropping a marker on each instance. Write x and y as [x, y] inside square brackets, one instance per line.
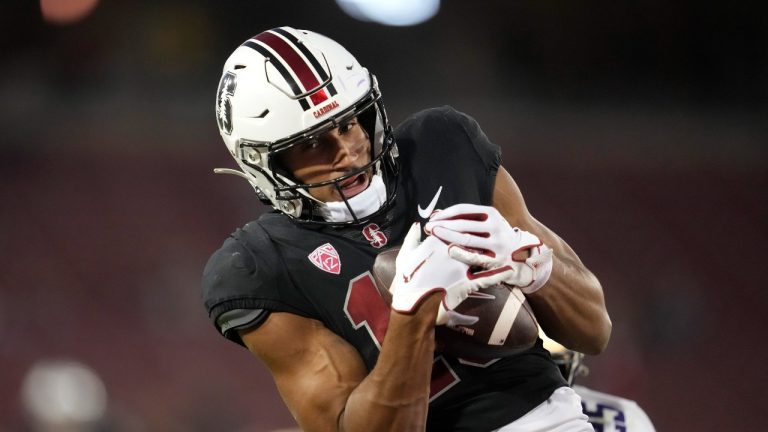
[609, 413]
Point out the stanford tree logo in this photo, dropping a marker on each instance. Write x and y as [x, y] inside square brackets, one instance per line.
[374, 235]
[224, 102]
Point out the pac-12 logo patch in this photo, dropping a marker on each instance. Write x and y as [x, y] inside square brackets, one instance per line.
[224, 102]
[326, 259]
[374, 235]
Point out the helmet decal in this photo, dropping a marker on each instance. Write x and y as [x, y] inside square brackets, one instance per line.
[326, 109]
[224, 102]
[298, 66]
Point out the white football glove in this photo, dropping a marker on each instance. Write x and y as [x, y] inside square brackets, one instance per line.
[487, 240]
[422, 268]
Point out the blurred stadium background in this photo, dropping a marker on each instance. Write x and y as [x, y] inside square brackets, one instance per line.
[637, 130]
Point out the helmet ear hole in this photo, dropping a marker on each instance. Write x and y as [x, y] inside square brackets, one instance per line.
[240, 66]
[367, 120]
[251, 155]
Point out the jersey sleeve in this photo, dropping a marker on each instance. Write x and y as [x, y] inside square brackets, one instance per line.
[488, 153]
[245, 280]
[450, 146]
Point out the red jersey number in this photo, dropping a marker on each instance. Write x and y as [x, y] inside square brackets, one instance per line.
[364, 307]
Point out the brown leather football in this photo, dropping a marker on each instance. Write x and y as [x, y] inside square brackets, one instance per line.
[506, 322]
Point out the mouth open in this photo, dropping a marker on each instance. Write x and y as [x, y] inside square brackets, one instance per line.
[354, 185]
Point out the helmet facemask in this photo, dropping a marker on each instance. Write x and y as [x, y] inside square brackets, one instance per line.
[382, 168]
[570, 364]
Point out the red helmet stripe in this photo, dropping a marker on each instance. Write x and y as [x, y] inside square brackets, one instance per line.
[295, 62]
[313, 60]
[281, 69]
[318, 97]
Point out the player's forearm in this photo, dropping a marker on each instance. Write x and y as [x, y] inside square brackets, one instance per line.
[571, 306]
[395, 395]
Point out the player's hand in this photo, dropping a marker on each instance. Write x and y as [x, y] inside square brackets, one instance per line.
[487, 240]
[423, 268]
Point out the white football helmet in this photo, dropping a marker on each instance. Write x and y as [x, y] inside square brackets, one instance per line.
[285, 86]
[570, 363]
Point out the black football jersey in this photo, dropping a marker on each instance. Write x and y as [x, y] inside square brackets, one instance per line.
[324, 273]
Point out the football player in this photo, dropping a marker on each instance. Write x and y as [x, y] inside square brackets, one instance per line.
[607, 413]
[306, 125]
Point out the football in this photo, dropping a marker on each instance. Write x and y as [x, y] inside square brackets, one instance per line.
[506, 322]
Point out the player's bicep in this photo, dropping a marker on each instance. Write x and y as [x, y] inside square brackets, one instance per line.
[314, 369]
[509, 201]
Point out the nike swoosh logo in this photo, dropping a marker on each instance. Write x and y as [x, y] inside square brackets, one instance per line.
[427, 212]
[409, 278]
[482, 296]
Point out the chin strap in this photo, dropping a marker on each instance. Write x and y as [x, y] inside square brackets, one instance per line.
[363, 204]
